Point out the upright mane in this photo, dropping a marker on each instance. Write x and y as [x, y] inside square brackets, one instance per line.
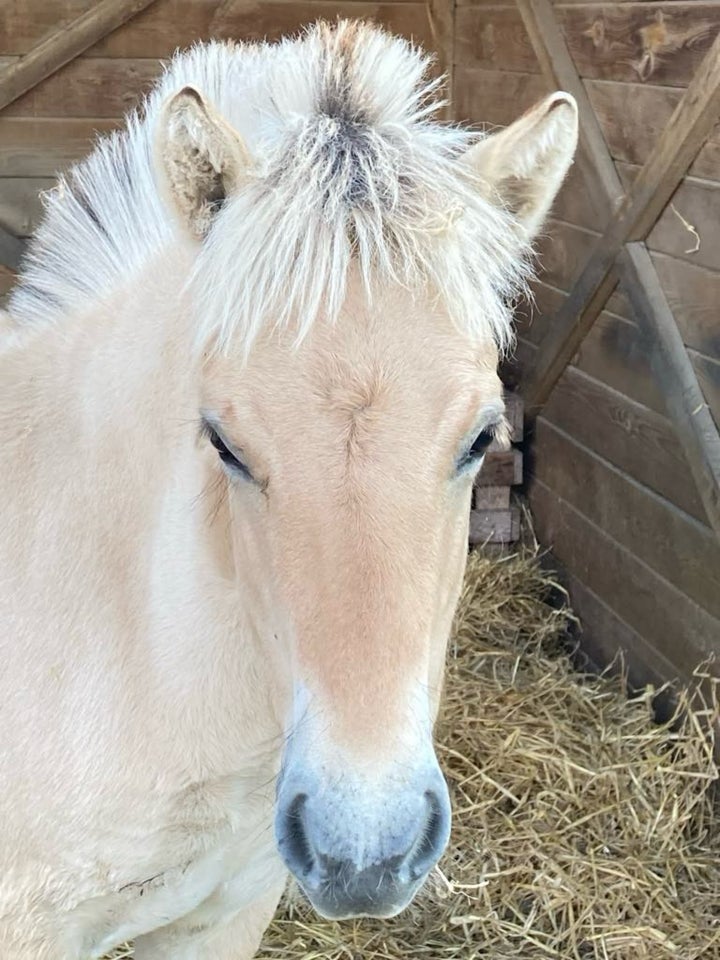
[349, 164]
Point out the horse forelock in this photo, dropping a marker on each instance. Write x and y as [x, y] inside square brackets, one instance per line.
[350, 167]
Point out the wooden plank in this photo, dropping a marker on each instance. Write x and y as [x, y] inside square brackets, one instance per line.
[695, 201]
[42, 148]
[692, 291]
[11, 249]
[632, 119]
[684, 398]
[604, 637]
[563, 251]
[503, 468]
[494, 526]
[88, 87]
[663, 43]
[178, 23]
[680, 630]
[515, 415]
[65, 43]
[697, 109]
[491, 498]
[690, 125]
[689, 227]
[7, 279]
[637, 440]
[693, 294]
[491, 98]
[441, 16]
[23, 23]
[649, 526]
[615, 353]
[20, 204]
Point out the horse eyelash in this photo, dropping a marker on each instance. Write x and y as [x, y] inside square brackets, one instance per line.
[225, 454]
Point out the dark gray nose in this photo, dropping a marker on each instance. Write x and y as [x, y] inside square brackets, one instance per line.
[376, 886]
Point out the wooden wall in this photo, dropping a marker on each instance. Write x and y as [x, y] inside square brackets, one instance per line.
[53, 125]
[609, 487]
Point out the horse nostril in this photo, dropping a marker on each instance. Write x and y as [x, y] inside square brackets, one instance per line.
[432, 838]
[294, 843]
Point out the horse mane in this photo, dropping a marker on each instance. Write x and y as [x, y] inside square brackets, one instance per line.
[350, 165]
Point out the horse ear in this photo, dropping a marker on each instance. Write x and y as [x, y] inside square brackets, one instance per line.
[524, 165]
[199, 157]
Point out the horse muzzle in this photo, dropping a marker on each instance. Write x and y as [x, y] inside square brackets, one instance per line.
[357, 849]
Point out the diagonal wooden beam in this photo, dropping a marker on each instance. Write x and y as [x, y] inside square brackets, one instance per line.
[669, 360]
[684, 135]
[64, 45]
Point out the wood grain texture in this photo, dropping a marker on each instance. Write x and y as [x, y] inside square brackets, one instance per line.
[615, 353]
[20, 204]
[42, 148]
[695, 202]
[633, 42]
[65, 43]
[692, 291]
[515, 415]
[604, 637]
[494, 526]
[639, 441]
[491, 498]
[650, 527]
[88, 87]
[503, 468]
[7, 281]
[169, 24]
[11, 249]
[681, 631]
[670, 363]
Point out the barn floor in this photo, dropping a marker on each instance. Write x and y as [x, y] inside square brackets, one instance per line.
[582, 829]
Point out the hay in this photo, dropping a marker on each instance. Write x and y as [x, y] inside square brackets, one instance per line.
[582, 830]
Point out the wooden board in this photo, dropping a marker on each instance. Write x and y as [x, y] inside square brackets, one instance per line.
[696, 201]
[663, 43]
[11, 249]
[692, 291]
[7, 279]
[654, 530]
[491, 498]
[515, 415]
[631, 116]
[604, 637]
[494, 526]
[88, 87]
[169, 24]
[639, 441]
[20, 204]
[680, 630]
[501, 469]
[615, 353]
[41, 148]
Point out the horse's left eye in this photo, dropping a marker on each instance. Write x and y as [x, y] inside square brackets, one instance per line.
[225, 454]
[477, 448]
[480, 444]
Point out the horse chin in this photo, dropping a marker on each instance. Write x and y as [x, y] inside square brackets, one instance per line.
[328, 905]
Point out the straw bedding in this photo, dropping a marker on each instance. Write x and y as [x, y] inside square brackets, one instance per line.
[581, 829]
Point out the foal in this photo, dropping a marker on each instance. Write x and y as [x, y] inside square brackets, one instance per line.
[246, 382]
